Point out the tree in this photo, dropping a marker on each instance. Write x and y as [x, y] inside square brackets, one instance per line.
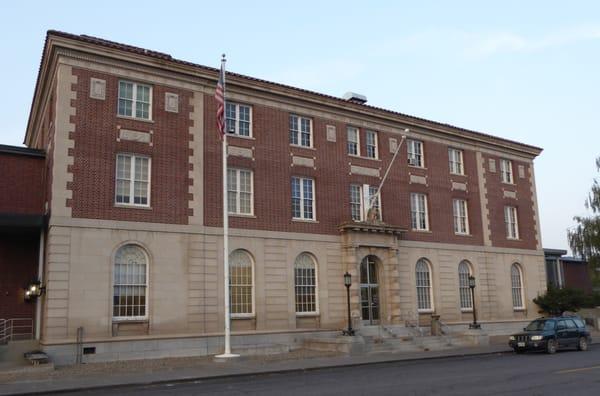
[584, 239]
[556, 301]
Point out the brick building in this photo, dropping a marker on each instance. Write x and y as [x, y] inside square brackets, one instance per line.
[133, 248]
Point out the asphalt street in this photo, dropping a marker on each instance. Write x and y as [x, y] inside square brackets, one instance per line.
[565, 373]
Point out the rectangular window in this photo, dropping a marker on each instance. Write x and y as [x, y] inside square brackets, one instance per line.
[240, 191]
[371, 144]
[456, 161]
[133, 180]
[353, 141]
[461, 216]
[360, 199]
[415, 153]
[300, 131]
[239, 119]
[418, 212]
[135, 100]
[506, 172]
[512, 223]
[303, 203]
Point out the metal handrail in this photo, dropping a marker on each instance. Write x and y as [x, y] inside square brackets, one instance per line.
[16, 329]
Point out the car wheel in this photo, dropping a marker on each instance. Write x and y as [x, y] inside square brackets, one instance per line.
[582, 345]
[551, 346]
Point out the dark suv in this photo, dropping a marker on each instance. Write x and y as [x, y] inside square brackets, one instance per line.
[550, 334]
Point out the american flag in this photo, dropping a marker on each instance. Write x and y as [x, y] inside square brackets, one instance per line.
[220, 98]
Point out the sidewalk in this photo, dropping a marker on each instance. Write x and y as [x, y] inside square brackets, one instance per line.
[156, 371]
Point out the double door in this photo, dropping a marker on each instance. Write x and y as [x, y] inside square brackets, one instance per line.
[369, 291]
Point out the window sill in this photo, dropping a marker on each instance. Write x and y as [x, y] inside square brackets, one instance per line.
[242, 316]
[304, 221]
[425, 311]
[135, 119]
[244, 216]
[417, 167]
[307, 314]
[422, 231]
[362, 157]
[466, 310]
[130, 320]
[509, 184]
[463, 235]
[458, 174]
[302, 147]
[514, 239]
[234, 135]
[131, 206]
[522, 309]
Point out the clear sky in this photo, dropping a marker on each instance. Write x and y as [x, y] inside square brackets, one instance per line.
[523, 70]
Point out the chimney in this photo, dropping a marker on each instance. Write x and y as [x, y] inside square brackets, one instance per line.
[353, 97]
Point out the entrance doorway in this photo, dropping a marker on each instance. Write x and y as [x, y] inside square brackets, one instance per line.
[369, 291]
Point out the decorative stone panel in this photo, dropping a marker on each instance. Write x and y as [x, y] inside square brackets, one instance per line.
[418, 179]
[509, 194]
[171, 102]
[361, 170]
[331, 134]
[393, 145]
[521, 169]
[303, 161]
[240, 151]
[135, 136]
[459, 186]
[97, 88]
[492, 165]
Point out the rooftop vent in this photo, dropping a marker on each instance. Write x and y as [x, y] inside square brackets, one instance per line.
[355, 98]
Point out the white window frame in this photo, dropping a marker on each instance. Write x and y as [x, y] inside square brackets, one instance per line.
[132, 180]
[314, 287]
[118, 318]
[517, 290]
[416, 153]
[375, 144]
[455, 159]
[314, 199]
[237, 120]
[134, 100]
[298, 132]
[460, 210]
[252, 286]
[349, 131]
[365, 192]
[511, 220]
[464, 291]
[506, 171]
[416, 211]
[428, 286]
[238, 172]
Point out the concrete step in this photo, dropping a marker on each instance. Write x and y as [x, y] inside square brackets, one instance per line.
[261, 349]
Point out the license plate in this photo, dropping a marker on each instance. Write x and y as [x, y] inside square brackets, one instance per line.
[520, 344]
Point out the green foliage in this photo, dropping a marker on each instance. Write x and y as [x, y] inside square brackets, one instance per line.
[584, 239]
[556, 301]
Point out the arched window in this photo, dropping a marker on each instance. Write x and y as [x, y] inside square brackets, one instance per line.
[423, 278]
[241, 288]
[464, 271]
[517, 286]
[305, 280]
[130, 283]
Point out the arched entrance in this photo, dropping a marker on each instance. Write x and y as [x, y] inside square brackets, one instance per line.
[369, 290]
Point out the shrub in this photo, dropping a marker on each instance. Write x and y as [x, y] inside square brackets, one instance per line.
[556, 301]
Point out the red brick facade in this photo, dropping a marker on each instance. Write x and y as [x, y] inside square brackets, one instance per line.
[96, 147]
[21, 184]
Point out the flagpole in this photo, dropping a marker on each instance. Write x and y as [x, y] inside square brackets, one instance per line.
[385, 175]
[227, 353]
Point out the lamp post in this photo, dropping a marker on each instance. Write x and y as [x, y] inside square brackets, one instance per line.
[348, 282]
[473, 325]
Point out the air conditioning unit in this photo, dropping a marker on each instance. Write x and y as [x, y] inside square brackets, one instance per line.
[412, 161]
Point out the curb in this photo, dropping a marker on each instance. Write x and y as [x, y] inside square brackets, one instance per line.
[258, 373]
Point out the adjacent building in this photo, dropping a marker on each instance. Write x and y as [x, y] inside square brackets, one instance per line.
[565, 271]
[133, 197]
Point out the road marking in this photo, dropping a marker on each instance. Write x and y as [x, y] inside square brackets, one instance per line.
[578, 370]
